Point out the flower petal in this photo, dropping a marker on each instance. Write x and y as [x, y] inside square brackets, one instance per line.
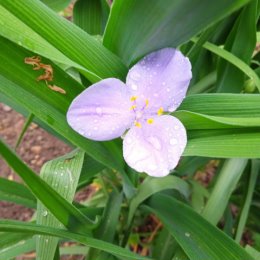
[162, 77]
[102, 111]
[155, 148]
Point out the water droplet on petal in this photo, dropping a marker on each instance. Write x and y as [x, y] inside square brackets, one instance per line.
[155, 142]
[171, 108]
[45, 213]
[134, 87]
[135, 75]
[168, 89]
[173, 141]
[128, 140]
[99, 111]
[163, 83]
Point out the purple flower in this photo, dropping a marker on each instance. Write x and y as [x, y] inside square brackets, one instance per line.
[156, 84]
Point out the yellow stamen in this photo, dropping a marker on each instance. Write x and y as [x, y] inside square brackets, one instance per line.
[138, 124]
[133, 107]
[149, 120]
[160, 111]
[146, 103]
[133, 98]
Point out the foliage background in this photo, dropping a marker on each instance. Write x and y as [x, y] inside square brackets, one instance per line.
[221, 114]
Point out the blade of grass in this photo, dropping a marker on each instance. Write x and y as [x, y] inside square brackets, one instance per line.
[255, 168]
[17, 193]
[233, 60]
[25, 127]
[198, 238]
[29, 228]
[226, 182]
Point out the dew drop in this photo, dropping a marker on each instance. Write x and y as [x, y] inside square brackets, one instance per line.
[134, 75]
[168, 89]
[61, 174]
[171, 108]
[128, 140]
[134, 87]
[173, 141]
[81, 132]
[155, 142]
[99, 111]
[163, 83]
[45, 213]
[187, 234]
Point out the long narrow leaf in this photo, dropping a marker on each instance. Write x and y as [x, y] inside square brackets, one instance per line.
[21, 227]
[197, 237]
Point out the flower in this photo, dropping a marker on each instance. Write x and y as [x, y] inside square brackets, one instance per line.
[156, 84]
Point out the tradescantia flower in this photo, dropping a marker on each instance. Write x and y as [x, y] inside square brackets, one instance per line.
[155, 85]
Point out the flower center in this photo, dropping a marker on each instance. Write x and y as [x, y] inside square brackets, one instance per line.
[140, 113]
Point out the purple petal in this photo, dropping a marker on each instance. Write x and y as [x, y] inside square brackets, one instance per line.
[162, 77]
[102, 112]
[155, 148]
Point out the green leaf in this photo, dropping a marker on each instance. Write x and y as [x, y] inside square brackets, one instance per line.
[62, 174]
[151, 186]
[25, 127]
[241, 42]
[212, 111]
[165, 246]
[109, 223]
[161, 23]
[227, 180]
[226, 143]
[255, 169]
[253, 252]
[66, 213]
[234, 60]
[198, 238]
[20, 248]
[56, 5]
[17, 193]
[29, 228]
[24, 36]
[66, 37]
[9, 239]
[91, 15]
